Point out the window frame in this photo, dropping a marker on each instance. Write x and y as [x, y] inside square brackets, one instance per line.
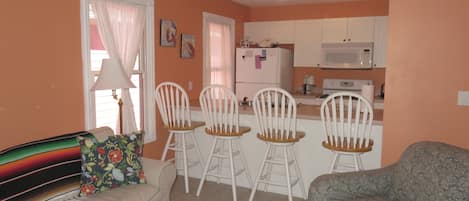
[210, 17]
[147, 61]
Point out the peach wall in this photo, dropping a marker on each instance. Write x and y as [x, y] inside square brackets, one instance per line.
[427, 58]
[187, 14]
[324, 10]
[41, 78]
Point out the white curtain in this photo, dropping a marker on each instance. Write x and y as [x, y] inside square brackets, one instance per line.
[121, 26]
[219, 44]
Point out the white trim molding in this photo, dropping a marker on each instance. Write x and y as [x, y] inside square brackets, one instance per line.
[149, 113]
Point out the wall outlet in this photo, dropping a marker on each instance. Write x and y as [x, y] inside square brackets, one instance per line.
[190, 85]
[463, 98]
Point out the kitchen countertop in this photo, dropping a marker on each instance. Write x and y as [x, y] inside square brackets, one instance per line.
[308, 112]
[313, 99]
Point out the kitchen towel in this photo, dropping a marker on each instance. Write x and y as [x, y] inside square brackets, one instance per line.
[258, 62]
[368, 92]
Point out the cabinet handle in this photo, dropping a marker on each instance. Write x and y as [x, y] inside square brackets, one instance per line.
[318, 65]
[345, 40]
[349, 39]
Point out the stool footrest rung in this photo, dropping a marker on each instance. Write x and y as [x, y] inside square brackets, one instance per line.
[276, 162]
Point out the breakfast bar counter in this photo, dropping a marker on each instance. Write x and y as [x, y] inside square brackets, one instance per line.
[314, 160]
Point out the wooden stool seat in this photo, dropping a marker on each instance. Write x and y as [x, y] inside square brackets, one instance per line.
[242, 130]
[194, 125]
[277, 139]
[348, 147]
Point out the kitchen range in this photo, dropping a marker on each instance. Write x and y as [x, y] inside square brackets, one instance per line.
[331, 86]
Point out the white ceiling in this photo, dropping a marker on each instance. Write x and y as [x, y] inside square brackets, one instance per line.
[254, 3]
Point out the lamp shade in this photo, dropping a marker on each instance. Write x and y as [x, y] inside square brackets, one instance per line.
[112, 76]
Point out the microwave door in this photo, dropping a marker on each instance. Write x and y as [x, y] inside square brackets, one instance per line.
[341, 58]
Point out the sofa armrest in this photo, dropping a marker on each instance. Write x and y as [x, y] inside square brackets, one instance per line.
[160, 174]
[351, 185]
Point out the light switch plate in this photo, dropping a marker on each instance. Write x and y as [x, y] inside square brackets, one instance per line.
[190, 85]
[463, 98]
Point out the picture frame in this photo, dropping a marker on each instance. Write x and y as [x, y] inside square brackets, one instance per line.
[168, 32]
[187, 46]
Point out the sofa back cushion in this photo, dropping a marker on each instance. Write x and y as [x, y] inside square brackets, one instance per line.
[37, 167]
[432, 171]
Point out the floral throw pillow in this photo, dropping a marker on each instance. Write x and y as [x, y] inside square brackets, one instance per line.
[112, 163]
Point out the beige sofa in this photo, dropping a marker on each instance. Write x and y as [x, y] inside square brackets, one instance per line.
[160, 177]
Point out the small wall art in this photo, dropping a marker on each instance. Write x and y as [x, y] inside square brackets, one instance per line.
[187, 46]
[167, 33]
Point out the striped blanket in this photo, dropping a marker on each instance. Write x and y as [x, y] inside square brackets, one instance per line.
[34, 170]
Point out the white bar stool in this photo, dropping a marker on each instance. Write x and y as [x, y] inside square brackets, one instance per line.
[220, 109]
[275, 111]
[347, 119]
[173, 104]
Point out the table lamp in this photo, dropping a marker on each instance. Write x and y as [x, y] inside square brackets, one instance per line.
[112, 76]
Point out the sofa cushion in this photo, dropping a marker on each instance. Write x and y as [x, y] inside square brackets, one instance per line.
[33, 168]
[112, 163]
[432, 171]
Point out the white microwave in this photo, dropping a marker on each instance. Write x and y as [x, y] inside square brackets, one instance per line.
[347, 55]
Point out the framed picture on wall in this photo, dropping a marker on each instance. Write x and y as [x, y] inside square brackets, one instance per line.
[167, 33]
[187, 46]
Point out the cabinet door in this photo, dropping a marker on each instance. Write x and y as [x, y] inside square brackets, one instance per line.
[256, 31]
[308, 34]
[282, 31]
[334, 30]
[360, 29]
[380, 42]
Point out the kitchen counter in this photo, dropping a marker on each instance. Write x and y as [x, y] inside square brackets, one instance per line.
[313, 99]
[309, 112]
[314, 160]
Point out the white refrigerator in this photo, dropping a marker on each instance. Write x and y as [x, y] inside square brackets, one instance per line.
[258, 68]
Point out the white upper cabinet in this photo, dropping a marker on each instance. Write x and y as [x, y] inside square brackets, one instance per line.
[380, 42]
[277, 31]
[282, 31]
[334, 30]
[257, 31]
[308, 34]
[356, 29]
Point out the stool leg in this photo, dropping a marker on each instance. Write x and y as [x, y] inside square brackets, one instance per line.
[269, 167]
[207, 166]
[254, 188]
[196, 144]
[166, 147]
[333, 164]
[287, 173]
[184, 156]
[221, 148]
[298, 172]
[232, 167]
[245, 164]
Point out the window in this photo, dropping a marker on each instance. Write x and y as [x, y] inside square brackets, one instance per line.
[100, 108]
[218, 33]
